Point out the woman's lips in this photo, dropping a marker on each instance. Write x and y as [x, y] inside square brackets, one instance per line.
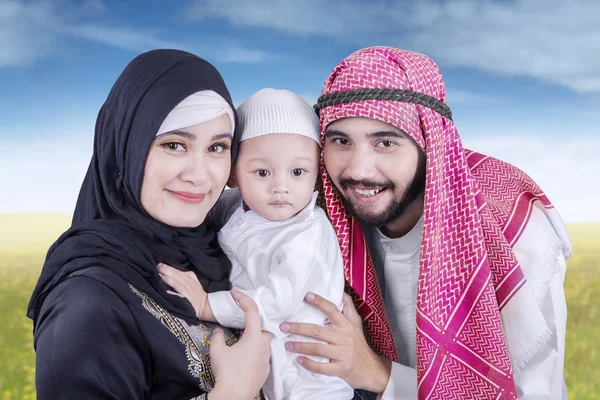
[187, 197]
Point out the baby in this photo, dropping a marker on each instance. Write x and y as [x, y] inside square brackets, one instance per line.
[281, 245]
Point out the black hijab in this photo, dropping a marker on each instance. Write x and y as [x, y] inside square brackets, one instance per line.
[110, 227]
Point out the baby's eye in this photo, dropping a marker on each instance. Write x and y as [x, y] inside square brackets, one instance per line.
[298, 172]
[263, 173]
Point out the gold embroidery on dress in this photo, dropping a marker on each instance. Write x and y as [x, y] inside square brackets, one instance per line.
[195, 338]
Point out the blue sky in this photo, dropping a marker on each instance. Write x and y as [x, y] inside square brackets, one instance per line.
[523, 77]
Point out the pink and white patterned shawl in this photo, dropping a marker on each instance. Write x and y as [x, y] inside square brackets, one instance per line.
[475, 210]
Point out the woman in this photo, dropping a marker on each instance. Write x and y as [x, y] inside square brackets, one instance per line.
[105, 325]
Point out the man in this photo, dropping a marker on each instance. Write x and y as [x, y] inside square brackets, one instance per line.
[461, 288]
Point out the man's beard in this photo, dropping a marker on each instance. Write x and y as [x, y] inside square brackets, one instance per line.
[397, 207]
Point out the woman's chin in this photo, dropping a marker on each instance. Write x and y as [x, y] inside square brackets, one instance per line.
[182, 219]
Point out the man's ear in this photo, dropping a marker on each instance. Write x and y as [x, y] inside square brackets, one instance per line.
[232, 183]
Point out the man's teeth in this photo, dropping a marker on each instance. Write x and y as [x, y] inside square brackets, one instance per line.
[368, 193]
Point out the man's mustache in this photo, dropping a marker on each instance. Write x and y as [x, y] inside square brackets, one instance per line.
[345, 183]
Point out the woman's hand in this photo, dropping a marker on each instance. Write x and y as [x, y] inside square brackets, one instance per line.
[350, 356]
[186, 284]
[241, 370]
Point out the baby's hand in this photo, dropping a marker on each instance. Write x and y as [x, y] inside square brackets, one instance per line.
[186, 285]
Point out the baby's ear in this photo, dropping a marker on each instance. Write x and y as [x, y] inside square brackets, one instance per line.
[232, 183]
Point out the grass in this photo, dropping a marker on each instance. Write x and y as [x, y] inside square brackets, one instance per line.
[25, 238]
[582, 289]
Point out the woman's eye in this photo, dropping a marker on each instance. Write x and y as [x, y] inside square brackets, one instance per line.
[218, 148]
[263, 173]
[298, 172]
[174, 146]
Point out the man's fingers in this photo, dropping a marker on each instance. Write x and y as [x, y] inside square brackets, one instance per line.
[252, 316]
[350, 312]
[329, 369]
[333, 313]
[312, 331]
[330, 351]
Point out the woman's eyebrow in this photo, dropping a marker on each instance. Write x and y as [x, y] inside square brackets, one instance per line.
[177, 132]
[223, 136]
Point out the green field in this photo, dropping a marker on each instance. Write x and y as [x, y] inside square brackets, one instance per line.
[24, 240]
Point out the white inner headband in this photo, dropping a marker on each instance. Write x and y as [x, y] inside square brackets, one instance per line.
[195, 109]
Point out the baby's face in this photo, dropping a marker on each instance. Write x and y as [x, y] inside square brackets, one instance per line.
[276, 174]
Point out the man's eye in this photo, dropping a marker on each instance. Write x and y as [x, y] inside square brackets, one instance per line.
[298, 172]
[341, 141]
[386, 143]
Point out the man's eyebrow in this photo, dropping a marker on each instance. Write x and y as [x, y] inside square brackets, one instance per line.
[379, 134]
[177, 132]
[386, 134]
[330, 133]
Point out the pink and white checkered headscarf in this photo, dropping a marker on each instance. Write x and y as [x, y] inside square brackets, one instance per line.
[475, 209]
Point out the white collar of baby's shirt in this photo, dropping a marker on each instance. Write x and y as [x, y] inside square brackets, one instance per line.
[308, 209]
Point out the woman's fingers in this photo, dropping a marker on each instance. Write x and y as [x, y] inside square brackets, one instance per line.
[252, 316]
[217, 342]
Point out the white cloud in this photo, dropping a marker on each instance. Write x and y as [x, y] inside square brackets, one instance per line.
[123, 38]
[30, 31]
[22, 38]
[552, 40]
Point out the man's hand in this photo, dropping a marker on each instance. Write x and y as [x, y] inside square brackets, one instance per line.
[350, 356]
[186, 285]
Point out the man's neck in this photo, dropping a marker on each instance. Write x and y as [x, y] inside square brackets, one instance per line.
[404, 223]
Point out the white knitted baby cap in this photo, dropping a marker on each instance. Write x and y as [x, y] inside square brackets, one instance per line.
[270, 111]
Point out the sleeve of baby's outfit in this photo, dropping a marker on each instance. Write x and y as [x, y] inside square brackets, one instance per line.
[299, 268]
[222, 304]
